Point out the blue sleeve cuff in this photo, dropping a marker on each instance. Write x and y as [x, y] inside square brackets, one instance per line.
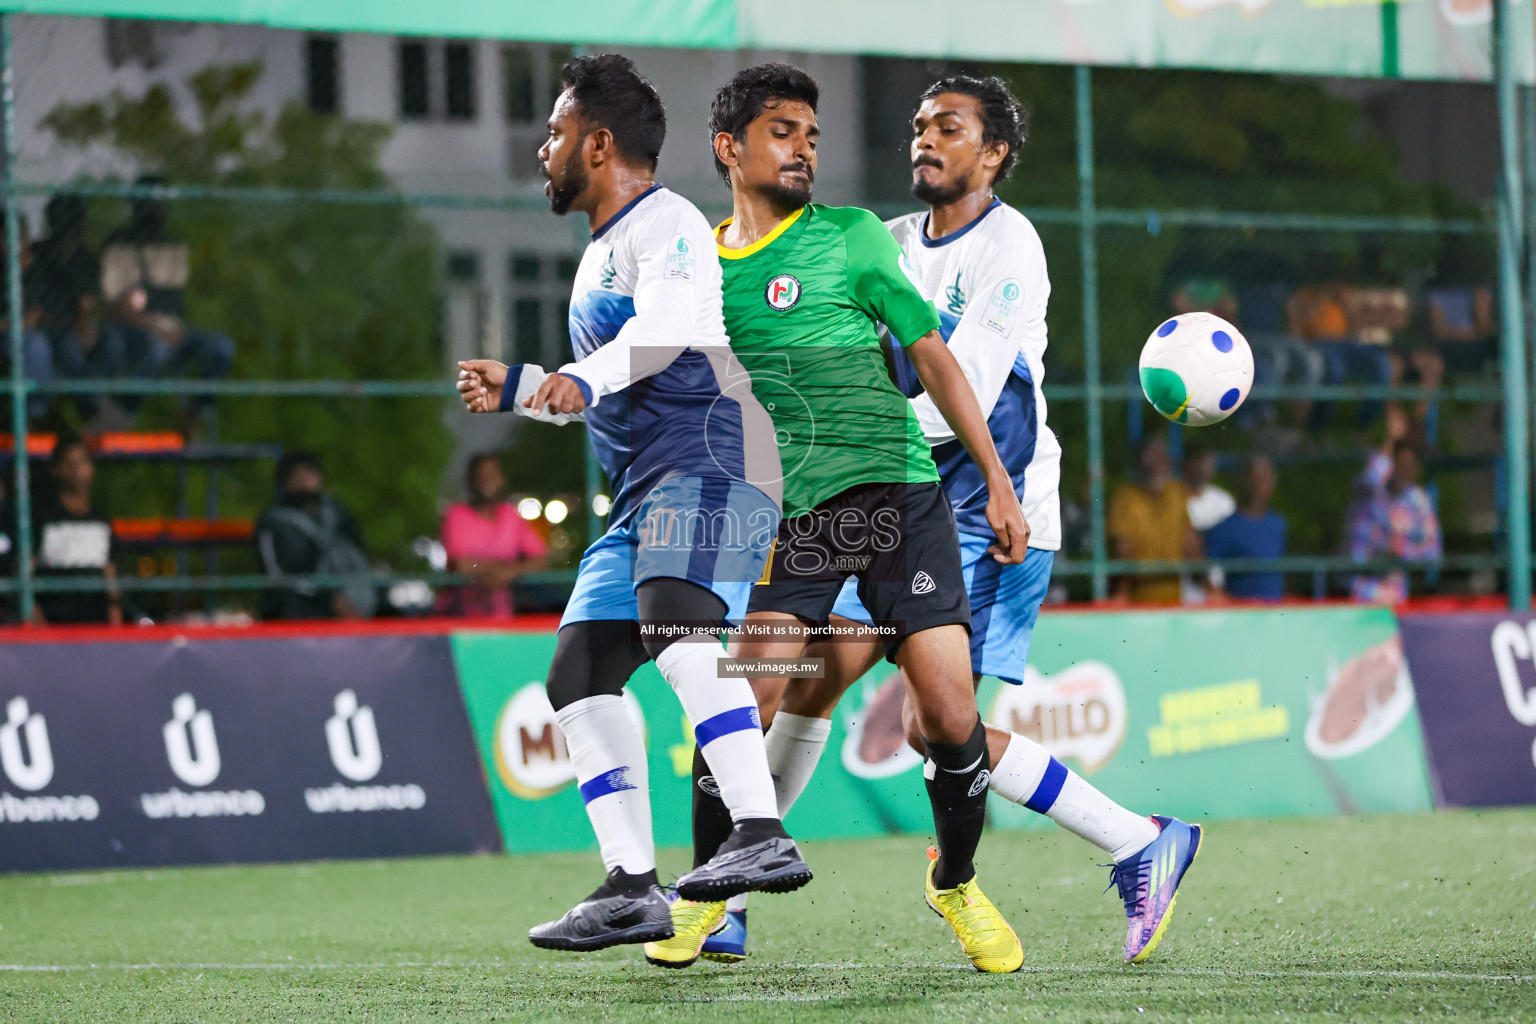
[586, 389]
[509, 389]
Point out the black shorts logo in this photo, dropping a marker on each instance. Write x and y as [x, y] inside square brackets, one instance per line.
[922, 583]
[708, 784]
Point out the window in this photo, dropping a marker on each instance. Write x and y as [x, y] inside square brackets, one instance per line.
[459, 81]
[540, 287]
[414, 83]
[530, 81]
[437, 80]
[322, 59]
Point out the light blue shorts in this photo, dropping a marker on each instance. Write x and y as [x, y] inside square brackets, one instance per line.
[1005, 602]
[712, 531]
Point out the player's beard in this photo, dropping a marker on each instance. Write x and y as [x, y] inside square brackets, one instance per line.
[561, 196]
[789, 198]
[937, 193]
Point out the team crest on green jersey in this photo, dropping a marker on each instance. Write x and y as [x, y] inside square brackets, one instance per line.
[782, 292]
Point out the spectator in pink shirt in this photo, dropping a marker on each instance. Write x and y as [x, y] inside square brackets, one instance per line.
[487, 540]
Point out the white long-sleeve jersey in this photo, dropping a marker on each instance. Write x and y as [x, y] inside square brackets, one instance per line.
[653, 361]
[989, 283]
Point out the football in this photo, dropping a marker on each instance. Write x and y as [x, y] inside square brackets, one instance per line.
[1196, 369]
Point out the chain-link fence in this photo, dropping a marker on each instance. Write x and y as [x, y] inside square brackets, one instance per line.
[244, 253]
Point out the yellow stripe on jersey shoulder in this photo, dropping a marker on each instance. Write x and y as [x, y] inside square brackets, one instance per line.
[757, 246]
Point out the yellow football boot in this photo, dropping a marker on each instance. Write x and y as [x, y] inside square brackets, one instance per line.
[691, 924]
[987, 939]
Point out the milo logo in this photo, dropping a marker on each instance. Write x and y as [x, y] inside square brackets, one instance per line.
[530, 753]
[1078, 713]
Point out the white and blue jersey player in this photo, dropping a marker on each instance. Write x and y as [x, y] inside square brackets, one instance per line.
[687, 449]
[989, 283]
[694, 467]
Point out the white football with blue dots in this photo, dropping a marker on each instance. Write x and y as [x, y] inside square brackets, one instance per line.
[1196, 369]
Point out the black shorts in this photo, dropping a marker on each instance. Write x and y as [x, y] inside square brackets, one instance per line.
[899, 540]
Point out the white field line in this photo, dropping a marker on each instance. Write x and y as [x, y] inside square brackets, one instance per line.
[1125, 972]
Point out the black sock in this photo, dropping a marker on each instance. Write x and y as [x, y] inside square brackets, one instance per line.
[711, 821]
[621, 882]
[958, 793]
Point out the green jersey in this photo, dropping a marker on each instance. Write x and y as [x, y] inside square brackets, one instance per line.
[801, 308]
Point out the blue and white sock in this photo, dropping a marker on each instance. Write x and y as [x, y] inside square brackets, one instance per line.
[725, 725]
[1028, 775]
[608, 752]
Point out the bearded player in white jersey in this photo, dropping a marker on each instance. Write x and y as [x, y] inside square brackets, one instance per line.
[982, 264]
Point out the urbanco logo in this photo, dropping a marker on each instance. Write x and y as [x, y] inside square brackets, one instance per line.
[190, 743]
[30, 769]
[353, 739]
[192, 749]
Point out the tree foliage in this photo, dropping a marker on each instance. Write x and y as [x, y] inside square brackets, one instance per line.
[308, 289]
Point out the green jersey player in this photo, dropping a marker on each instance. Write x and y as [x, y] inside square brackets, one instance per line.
[805, 287]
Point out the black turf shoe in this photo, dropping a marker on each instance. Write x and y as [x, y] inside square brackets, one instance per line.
[758, 857]
[619, 912]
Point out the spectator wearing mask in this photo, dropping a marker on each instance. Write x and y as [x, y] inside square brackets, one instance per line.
[1252, 531]
[487, 540]
[144, 274]
[1208, 503]
[73, 539]
[1149, 521]
[307, 531]
[1392, 515]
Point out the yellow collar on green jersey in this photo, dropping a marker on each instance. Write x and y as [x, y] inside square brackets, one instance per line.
[757, 246]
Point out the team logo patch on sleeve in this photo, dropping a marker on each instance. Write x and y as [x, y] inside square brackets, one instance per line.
[679, 259]
[1003, 307]
[783, 292]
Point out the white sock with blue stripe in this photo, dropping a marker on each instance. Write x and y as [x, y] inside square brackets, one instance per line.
[1028, 775]
[725, 725]
[608, 753]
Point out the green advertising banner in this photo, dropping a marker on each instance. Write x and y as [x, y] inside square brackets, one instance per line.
[1204, 715]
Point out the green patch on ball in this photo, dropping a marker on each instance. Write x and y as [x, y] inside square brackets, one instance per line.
[1166, 391]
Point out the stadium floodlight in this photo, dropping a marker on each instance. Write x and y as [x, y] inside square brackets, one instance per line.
[530, 508]
[556, 511]
[602, 504]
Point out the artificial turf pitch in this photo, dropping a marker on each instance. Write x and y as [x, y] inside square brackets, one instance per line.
[1379, 918]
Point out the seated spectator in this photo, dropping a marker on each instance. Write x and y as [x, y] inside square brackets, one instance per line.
[36, 353]
[1253, 531]
[486, 539]
[1208, 503]
[1392, 516]
[1319, 313]
[64, 284]
[1463, 323]
[73, 539]
[307, 531]
[143, 333]
[1463, 326]
[1149, 521]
